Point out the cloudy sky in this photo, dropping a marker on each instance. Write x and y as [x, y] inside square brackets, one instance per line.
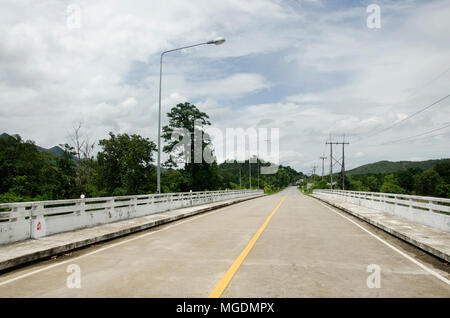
[312, 68]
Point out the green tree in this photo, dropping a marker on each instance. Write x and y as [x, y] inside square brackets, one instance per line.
[187, 118]
[443, 169]
[405, 179]
[390, 185]
[173, 180]
[124, 165]
[373, 183]
[66, 173]
[23, 169]
[426, 182]
[357, 185]
[443, 190]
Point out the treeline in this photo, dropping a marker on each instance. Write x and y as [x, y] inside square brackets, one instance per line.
[392, 166]
[414, 181]
[237, 175]
[124, 165]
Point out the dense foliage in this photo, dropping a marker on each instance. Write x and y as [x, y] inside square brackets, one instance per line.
[124, 165]
[392, 167]
[29, 174]
[415, 181]
[199, 174]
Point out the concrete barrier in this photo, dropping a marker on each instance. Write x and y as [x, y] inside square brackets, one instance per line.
[430, 211]
[24, 220]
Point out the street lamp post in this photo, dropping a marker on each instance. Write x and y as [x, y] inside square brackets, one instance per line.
[216, 41]
[250, 172]
[259, 167]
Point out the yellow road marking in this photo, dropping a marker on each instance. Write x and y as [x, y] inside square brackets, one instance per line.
[220, 287]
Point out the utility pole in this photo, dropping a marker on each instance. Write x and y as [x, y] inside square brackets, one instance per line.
[258, 170]
[331, 163]
[240, 182]
[323, 159]
[250, 172]
[343, 143]
[343, 162]
[314, 173]
[268, 140]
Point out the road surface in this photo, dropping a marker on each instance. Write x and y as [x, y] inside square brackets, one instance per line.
[282, 245]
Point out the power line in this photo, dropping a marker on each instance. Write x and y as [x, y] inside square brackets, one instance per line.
[412, 137]
[406, 118]
[443, 134]
[415, 90]
[431, 81]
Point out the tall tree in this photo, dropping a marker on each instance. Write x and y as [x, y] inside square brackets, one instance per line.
[29, 174]
[443, 169]
[187, 118]
[21, 167]
[125, 165]
[81, 149]
[426, 182]
[390, 185]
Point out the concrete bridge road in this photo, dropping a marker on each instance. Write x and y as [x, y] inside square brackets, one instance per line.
[283, 245]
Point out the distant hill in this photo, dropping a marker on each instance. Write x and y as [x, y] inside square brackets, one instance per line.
[56, 150]
[391, 166]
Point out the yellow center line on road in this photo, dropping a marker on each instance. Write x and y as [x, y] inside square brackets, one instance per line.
[222, 285]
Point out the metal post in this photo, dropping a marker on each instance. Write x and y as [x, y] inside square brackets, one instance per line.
[240, 179]
[217, 41]
[258, 172]
[341, 163]
[323, 159]
[250, 172]
[331, 166]
[158, 169]
[314, 173]
[343, 166]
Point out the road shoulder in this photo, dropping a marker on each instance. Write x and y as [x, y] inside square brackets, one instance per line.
[431, 240]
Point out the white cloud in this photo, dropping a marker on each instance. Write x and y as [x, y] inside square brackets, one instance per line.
[350, 79]
[231, 87]
[304, 98]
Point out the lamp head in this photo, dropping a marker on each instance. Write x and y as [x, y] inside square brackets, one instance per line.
[217, 41]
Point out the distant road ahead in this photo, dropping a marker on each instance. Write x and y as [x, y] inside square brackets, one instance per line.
[283, 245]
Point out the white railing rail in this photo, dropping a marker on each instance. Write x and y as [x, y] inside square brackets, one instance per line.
[24, 220]
[431, 211]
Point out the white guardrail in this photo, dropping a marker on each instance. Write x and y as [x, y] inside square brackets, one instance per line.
[430, 211]
[24, 220]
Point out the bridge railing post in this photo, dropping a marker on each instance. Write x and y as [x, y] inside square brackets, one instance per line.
[38, 225]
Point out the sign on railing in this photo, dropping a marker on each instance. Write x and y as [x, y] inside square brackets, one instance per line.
[24, 220]
[431, 211]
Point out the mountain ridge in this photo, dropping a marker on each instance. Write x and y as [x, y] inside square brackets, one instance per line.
[386, 166]
[55, 150]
